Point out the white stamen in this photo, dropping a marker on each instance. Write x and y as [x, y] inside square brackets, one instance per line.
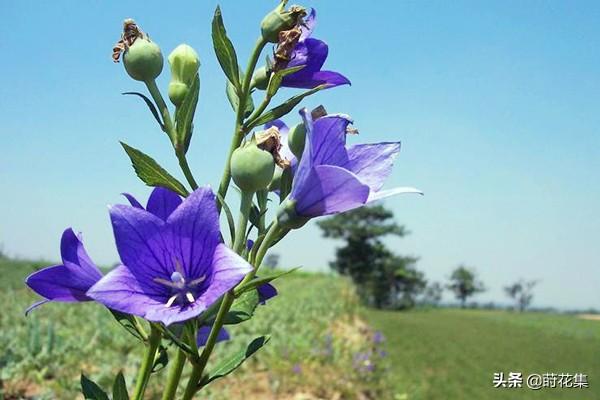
[190, 297]
[171, 300]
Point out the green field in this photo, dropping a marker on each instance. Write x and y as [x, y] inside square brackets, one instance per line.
[318, 332]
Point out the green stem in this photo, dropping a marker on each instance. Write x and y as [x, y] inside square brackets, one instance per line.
[186, 170]
[262, 107]
[240, 233]
[164, 110]
[147, 363]
[174, 375]
[238, 132]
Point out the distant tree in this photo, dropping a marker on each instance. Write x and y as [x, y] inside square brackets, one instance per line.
[432, 294]
[464, 284]
[521, 292]
[382, 278]
[272, 260]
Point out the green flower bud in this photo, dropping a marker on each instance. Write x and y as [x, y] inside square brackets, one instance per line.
[276, 181]
[143, 60]
[184, 63]
[260, 79]
[297, 139]
[252, 168]
[280, 20]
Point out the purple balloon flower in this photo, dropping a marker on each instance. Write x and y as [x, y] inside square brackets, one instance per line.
[332, 178]
[69, 281]
[173, 269]
[311, 53]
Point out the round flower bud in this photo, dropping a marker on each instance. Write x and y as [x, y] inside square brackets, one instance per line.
[143, 60]
[184, 63]
[252, 168]
[297, 139]
[260, 79]
[280, 20]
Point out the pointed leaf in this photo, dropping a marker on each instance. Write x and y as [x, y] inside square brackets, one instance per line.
[285, 186]
[277, 78]
[256, 282]
[228, 214]
[242, 308]
[151, 173]
[161, 361]
[91, 391]
[150, 105]
[224, 50]
[229, 365]
[185, 114]
[283, 109]
[127, 321]
[235, 101]
[120, 388]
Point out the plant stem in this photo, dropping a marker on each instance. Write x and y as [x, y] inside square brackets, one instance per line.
[164, 110]
[186, 170]
[174, 375]
[240, 234]
[147, 362]
[192, 386]
[238, 132]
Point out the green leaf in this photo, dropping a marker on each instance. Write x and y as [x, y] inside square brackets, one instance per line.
[283, 109]
[285, 186]
[185, 114]
[228, 214]
[161, 361]
[235, 101]
[242, 308]
[150, 105]
[256, 282]
[277, 77]
[224, 50]
[151, 173]
[127, 321]
[91, 391]
[227, 366]
[120, 388]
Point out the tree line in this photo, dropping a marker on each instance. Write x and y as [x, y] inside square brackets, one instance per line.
[384, 279]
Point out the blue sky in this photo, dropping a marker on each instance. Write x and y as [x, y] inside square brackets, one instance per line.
[496, 103]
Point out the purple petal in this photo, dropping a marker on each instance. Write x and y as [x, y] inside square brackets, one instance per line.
[143, 242]
[309, 24]
[162, 202]
[76, 259]
[204, 331]
[330, 189]
[133, 201]
[195, 229]
[330, 78]
[372, 163]
[374, 196]
[265, 292]
[58, 283]
[228, 270]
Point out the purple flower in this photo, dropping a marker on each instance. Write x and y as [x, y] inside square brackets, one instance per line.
[297, 369]
[173, 269]
[311, 53]
[204, 331]
[162, 202]
[378, 337]
[266, 291]
[332, 178]
[69, 281]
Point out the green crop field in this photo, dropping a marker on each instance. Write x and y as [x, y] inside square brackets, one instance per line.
[322, 347]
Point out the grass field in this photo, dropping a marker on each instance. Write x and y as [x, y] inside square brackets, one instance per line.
[322, 347]
[452, 354]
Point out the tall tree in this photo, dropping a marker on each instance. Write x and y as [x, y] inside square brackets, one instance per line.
[433, 293]
[521, 292]
[382, 278]
[464, 284]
